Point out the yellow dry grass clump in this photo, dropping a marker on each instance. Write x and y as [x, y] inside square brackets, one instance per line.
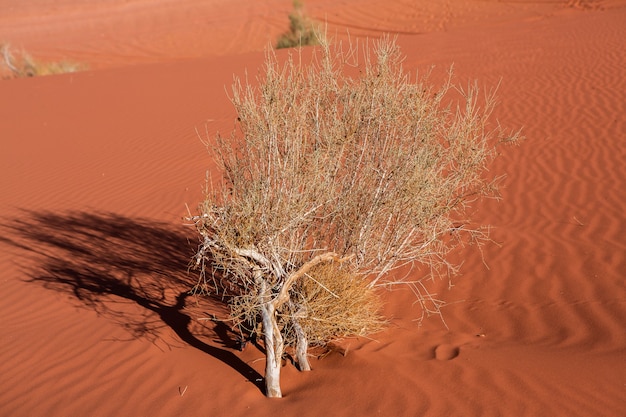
[335, 303]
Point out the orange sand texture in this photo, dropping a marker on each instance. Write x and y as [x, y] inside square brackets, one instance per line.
[97, 166]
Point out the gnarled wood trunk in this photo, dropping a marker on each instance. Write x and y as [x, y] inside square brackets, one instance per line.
[302, 346]
[274, 348]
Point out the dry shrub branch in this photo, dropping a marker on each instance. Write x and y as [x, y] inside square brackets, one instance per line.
[331, 181]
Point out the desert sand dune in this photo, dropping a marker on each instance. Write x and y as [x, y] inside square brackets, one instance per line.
[97, 168]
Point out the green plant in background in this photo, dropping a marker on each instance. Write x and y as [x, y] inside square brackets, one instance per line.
[302, 30]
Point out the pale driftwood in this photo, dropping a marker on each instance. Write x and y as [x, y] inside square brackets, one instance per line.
[302, 346]
[273, 350]
[8, 59]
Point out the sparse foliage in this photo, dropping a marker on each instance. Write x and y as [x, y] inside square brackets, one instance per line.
[332, 181]
[21, 64]
[302, 30]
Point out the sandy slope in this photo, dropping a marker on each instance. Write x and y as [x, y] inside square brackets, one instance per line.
[123, 32]
[97, 168]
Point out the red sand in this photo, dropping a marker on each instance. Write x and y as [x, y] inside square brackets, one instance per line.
[97, 168]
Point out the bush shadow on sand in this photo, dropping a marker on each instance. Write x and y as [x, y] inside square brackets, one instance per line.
[131, 271]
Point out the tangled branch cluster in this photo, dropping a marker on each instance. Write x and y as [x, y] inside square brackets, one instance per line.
[331, 181]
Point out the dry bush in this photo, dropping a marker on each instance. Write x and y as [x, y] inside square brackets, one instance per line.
[302, 30]
[21, 64]
[331, 181]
